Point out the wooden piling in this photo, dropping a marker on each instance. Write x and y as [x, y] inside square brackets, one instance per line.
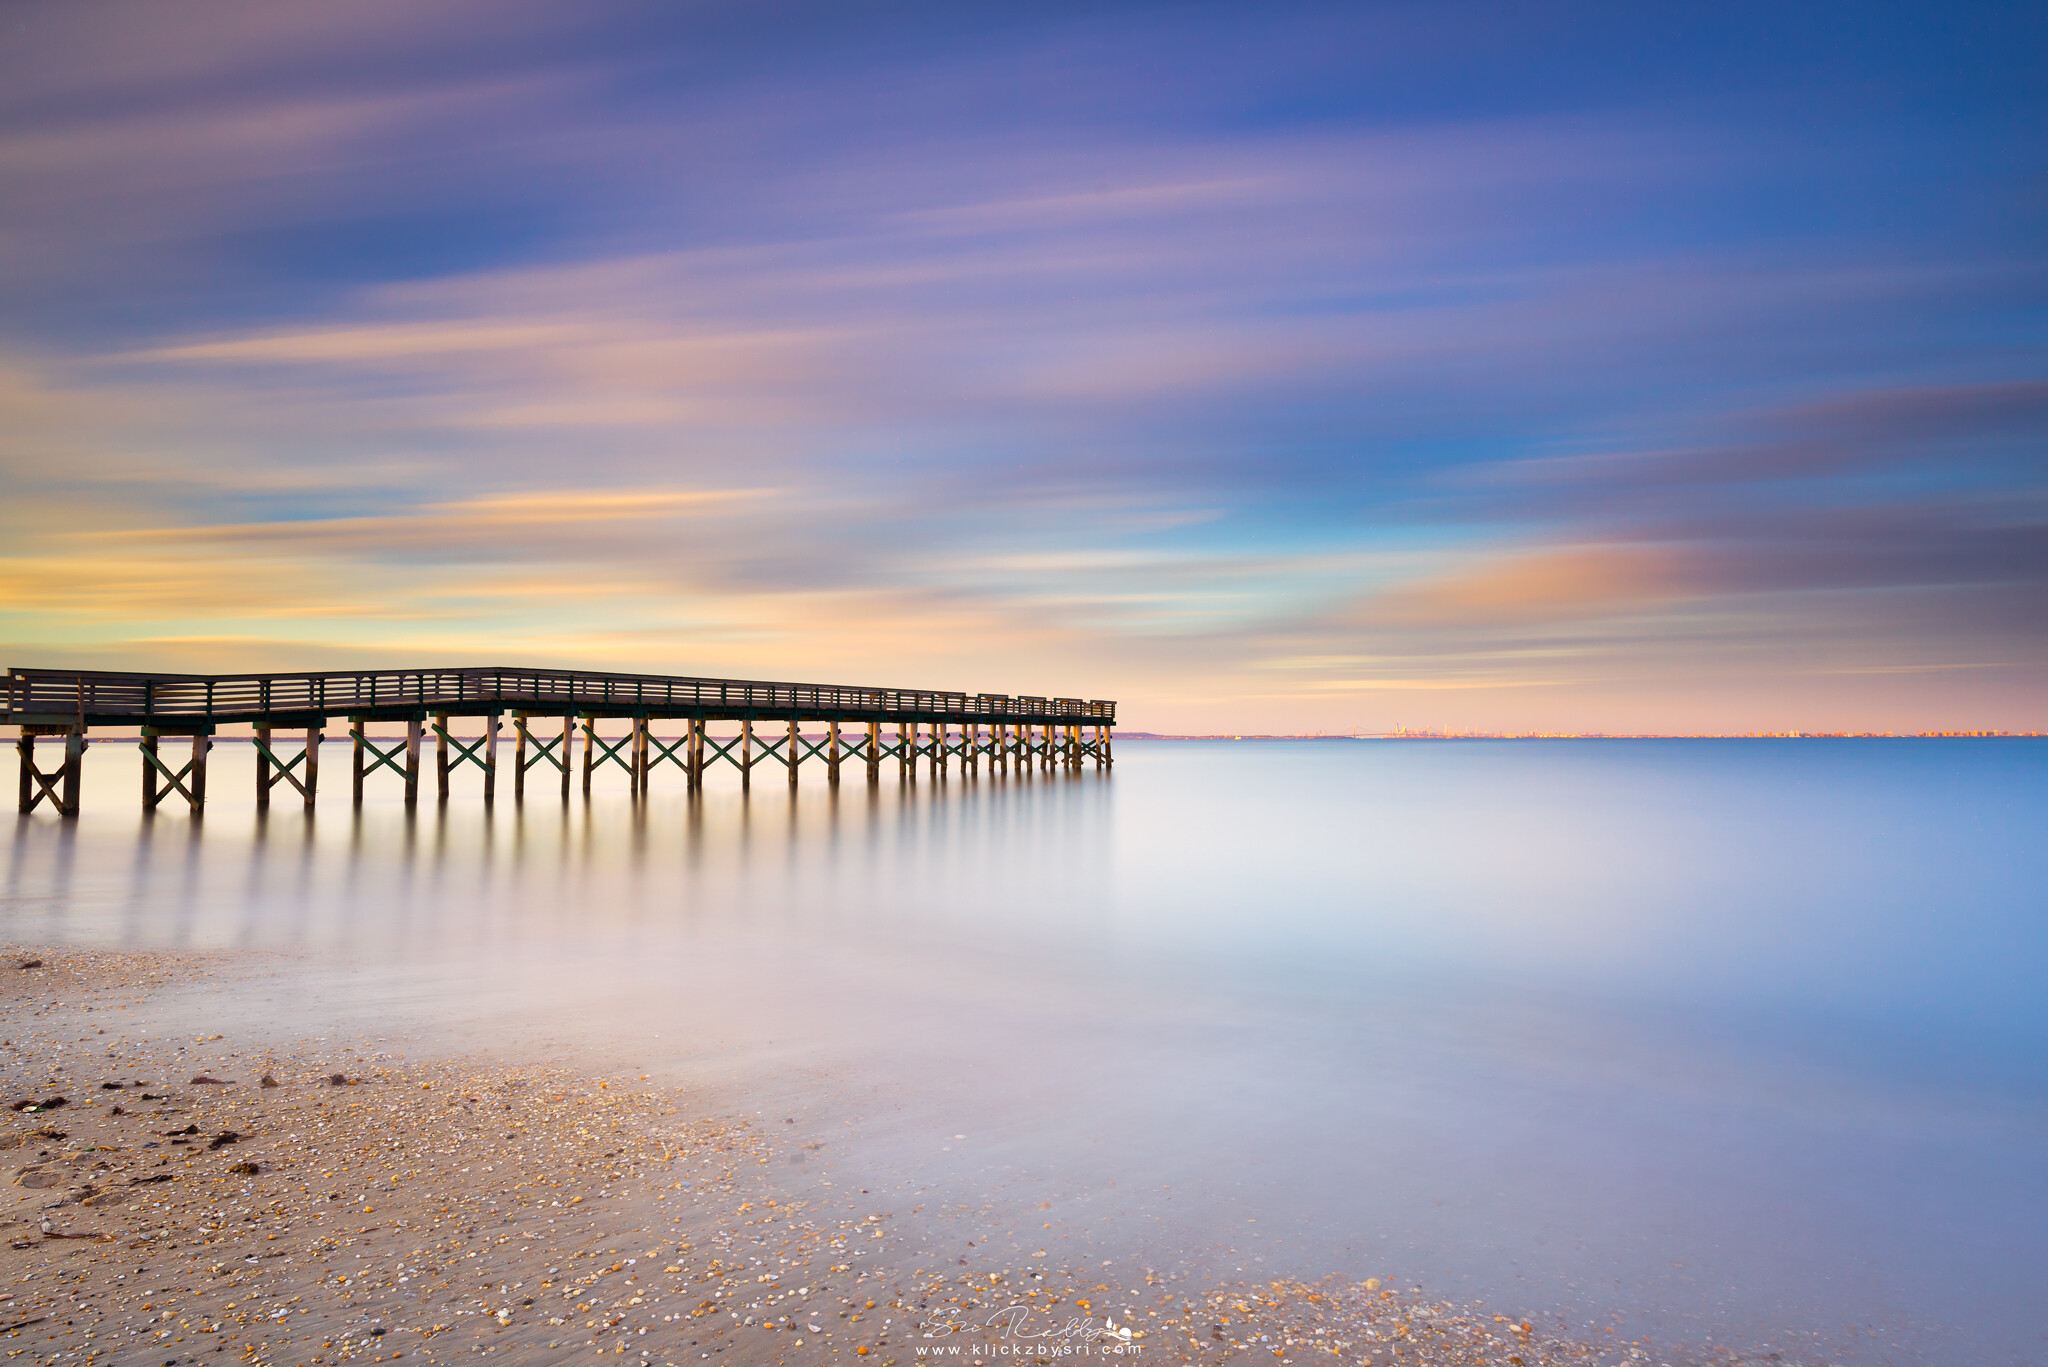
[413, 727]
[794, 738]
[441, 754]
[196, 785]
[589, 749]
[637, 757]
[262, 768]
[519, 757]
[490, 759]
[874, 752]
[314, 735]
[355, 736]
[568, 752]
[25, 748]
[74, 771]
[746, 753]
[696, 754]
[149, 755]
[832, 752]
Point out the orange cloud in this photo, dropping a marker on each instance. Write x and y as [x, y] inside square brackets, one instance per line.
[1563, 584]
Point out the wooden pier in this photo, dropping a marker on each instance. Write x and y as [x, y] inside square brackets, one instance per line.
[870, 728]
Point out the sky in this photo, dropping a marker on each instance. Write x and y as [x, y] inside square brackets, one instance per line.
[1575, 367]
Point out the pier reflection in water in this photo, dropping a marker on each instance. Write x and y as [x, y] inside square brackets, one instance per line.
[1737, 1039]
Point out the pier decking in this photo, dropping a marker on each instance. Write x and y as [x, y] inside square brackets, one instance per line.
[1020, 733]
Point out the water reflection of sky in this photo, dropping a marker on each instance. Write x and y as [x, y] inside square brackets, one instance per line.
[1740, 1038]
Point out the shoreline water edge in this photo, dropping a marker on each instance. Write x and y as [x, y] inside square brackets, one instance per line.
[179, 1198]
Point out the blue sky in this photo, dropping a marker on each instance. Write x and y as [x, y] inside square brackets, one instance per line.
[1578, 368]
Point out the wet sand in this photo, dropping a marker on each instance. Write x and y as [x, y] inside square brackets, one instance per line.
[327, 1200]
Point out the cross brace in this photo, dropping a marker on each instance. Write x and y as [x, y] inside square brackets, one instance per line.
[46, 786]
[722, 752]
[677, 754]
[542, 749]
[464, 753]
[384, 759]
[177, 780]
[284, 767]
[603, 752]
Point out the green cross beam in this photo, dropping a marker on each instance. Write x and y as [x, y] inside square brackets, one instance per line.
[380, 759]
[676, 754]
[721, 752]
[542, 749]
[464, 752]
[608, 753]
[284, 767]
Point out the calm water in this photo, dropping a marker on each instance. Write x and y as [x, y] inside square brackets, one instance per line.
[1742, 1041]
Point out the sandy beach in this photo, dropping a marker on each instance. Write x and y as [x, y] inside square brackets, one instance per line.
[197, 1198]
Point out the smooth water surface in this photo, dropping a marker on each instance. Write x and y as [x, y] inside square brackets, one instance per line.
[1736, 1042]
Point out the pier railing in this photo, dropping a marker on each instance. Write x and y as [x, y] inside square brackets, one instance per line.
[109, 698]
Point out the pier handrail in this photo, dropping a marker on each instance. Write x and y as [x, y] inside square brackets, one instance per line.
[109, 697]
